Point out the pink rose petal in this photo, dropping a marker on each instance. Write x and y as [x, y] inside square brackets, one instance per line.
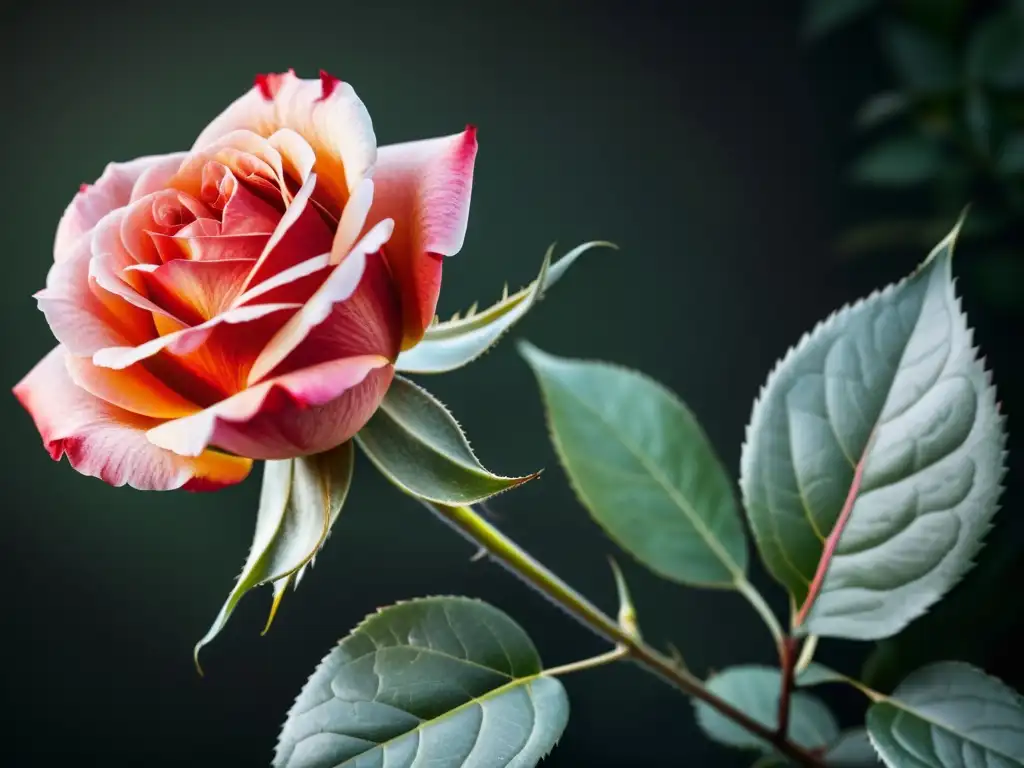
[112, 190]
[327, 113]
[104, 441]
[425, 187]
[304, 412]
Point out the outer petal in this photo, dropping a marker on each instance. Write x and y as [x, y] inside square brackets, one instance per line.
[82, 315]
[425, 187]
[112, 190]
[299, 413]
[326, 113]
[104, 441]
[134, 389]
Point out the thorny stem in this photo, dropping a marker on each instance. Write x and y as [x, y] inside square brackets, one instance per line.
[502, 549]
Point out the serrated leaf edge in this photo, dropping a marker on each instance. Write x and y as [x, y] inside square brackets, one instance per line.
[876, 295]
[899, 705]
[380, 611]
[479, 470]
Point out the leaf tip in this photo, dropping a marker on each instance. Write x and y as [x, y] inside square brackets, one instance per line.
[278, 596]
[534, 355]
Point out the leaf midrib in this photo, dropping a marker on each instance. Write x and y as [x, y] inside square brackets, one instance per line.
[855, 488]
[474, 701]
[678, 499]
[403, 424]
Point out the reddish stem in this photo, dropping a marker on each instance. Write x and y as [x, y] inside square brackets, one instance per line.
[832, 541]
[788, 653]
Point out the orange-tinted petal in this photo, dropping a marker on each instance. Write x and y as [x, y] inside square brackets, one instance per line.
[82, 315]
[300, 413]
[112, 190]
[339, 286]
[134, 389]
[301, 234]
[104, 441]
[186, 340]
[327, 113]
[194, 291]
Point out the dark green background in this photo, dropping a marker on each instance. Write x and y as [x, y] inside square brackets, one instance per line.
[708, 143]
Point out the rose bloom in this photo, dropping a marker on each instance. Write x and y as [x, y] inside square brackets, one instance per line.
[246, 299]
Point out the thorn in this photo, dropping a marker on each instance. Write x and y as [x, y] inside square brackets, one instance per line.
[472, 309]
[83, 188]
[479, 555]
[627, 612]
[677, 657]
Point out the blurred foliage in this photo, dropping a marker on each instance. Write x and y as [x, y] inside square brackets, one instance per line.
[949, 131]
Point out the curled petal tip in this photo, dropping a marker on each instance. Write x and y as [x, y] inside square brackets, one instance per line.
[269, 84]
[83, 188]
[328, 83]
[262, 82]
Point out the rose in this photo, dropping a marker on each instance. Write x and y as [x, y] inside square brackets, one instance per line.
[246, 299]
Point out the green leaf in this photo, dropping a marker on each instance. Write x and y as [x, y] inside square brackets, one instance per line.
[755, 690]
[923, 63]
[447, 682]
[299, 503]
[417, 444]
[450, 345]
[873, 459]
[852, 750]
[899, 161]
[644, 468]
[949, 715]
[818, 674]
[825, 16]
[978, 602]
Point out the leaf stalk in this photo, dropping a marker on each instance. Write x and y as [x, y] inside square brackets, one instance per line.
[501, 548]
